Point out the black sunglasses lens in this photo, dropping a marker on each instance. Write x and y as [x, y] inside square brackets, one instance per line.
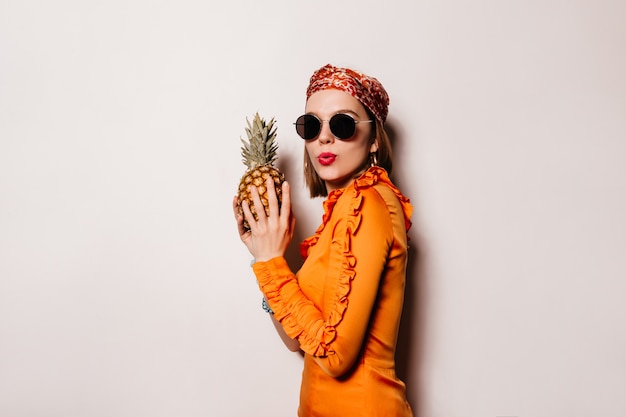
[342, 126]
[308, 126]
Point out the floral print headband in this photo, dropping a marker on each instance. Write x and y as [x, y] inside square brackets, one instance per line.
[368, 90]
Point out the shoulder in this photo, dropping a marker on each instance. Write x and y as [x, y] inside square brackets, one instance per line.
[363, 208]
[380, 201]
[376, 188]
[376, 180]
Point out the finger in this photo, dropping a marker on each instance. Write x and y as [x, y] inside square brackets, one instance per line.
[258, 205]
[247, 214]
[242, 230]
[236, 207]
[272, 199]
[238, 216]
[285, 209]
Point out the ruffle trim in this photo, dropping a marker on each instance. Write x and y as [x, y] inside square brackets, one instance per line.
[371, 177]
[275, 279]
[374, 175]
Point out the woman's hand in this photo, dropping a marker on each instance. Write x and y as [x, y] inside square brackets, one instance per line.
[268, 237]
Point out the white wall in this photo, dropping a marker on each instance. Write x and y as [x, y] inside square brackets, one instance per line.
[124, 290]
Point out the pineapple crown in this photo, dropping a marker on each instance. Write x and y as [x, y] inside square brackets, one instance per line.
[261, 147]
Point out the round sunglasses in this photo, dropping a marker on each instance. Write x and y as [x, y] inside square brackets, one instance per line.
[342, 126]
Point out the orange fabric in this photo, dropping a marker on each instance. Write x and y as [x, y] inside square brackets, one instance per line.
[345, 303]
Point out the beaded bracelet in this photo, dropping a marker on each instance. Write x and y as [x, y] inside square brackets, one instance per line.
[266, 306]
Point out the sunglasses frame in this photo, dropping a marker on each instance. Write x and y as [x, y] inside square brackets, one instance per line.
[329, 121]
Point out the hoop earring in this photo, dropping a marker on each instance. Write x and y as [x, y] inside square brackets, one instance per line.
[373, 159]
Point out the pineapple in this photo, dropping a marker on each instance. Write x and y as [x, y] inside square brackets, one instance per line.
[259, 155]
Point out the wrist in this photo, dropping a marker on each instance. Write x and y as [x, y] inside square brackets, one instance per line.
[264, 258]
[266, 307]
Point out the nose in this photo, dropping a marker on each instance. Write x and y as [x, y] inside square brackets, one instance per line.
[325, 136]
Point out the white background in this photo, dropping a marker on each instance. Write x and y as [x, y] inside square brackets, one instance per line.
[124, 290]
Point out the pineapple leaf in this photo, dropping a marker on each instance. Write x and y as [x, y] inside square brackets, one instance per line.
[260, 148]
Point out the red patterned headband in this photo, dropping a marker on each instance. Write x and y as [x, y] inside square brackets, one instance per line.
[368, 90]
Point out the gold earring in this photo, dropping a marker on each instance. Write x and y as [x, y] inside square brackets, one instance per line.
[373, 159]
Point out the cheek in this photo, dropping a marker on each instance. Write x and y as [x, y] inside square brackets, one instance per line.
[365, 145]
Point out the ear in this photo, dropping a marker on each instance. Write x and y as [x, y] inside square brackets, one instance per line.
[374, 146]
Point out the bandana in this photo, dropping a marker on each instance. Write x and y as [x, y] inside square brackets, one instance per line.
[368, 90]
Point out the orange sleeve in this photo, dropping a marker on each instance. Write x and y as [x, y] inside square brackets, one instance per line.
[361, 242]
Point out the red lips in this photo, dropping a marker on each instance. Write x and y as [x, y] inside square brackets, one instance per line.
[326, 158]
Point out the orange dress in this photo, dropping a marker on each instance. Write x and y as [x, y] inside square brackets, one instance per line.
[345, 303]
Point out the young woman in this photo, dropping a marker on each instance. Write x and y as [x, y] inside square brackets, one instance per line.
[343, 307]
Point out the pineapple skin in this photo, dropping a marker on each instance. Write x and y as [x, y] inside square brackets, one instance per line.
[259, 152]
[257, 177]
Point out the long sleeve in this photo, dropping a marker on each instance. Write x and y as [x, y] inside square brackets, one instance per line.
[348, 261]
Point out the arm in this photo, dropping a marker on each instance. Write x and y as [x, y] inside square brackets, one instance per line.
[269, 238]
[292, 344]
[359, 253]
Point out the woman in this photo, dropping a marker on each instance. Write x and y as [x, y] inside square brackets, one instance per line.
[343, 307]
